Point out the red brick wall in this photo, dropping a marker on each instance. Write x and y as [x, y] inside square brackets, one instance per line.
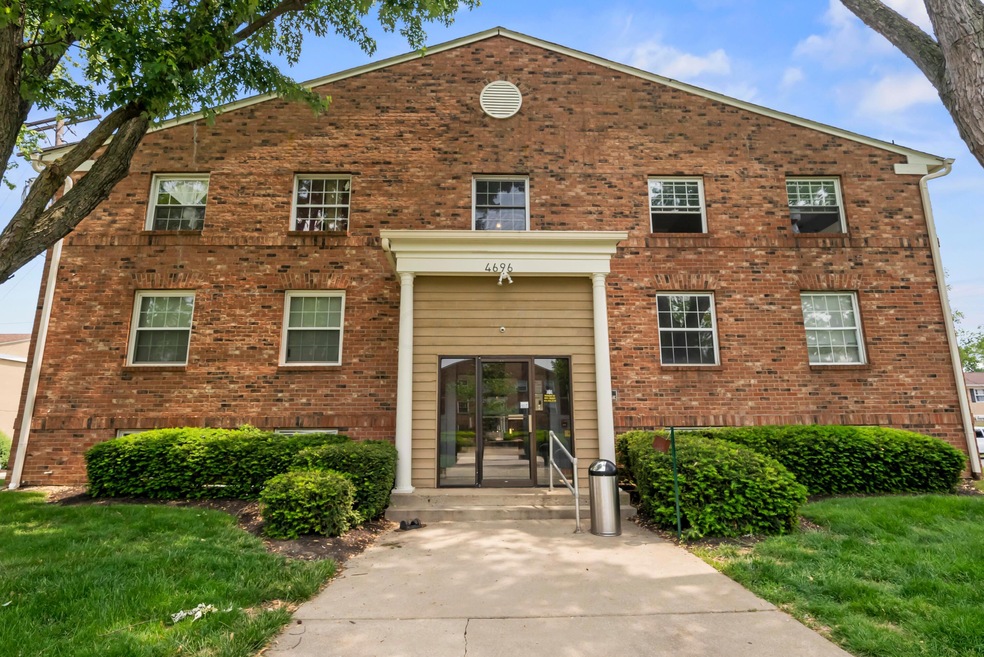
[412, 136]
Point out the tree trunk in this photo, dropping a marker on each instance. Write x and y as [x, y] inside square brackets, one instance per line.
[953, 61]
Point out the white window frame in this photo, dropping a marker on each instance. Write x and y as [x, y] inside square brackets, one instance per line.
[294, 432]
[675, 179]
[320, 176]
[290, 294]
[154, 191]
[977, 395]
[526, 188]
[713, 328]
[127, 432]
[135, 327]
[838, 196]
[853, 296]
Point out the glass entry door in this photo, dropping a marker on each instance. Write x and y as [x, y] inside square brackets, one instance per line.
[495, 415]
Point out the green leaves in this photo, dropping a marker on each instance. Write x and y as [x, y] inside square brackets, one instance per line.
[307, 502]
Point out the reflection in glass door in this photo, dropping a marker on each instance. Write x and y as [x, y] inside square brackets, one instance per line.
[506, 424]
[495, 416]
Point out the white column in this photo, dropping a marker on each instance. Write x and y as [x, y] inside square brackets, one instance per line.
[404, 388]
[603, 370]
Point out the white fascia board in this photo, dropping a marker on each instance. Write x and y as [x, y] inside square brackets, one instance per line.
[13, 359]
[485, 253]
[912, 156]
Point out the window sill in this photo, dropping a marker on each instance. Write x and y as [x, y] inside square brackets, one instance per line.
[662, 234]
[291, 367]
[154, 368]
[834, 366]
[817, 236]
[197, 231]
[318, 233]
[692, 368]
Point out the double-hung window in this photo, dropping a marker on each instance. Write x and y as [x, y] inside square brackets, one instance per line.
[178, 202]
[815, 205]
[313, 328]
[687, 329]
[161, 328]
[977, 395]
[676, 205]
[833, 328]
[321, 203]
[501, 203]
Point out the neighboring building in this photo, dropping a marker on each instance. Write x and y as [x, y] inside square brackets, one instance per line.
[499, 239]
[13, 362]
[975, 392]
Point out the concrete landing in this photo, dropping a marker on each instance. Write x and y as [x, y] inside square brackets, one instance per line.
[489, 589]
[432, 505]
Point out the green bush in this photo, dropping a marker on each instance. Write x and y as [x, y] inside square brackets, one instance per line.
[725, 490]
[841, 460]
[307, 502]
[193, 462]
[5, 442]
[369, 465]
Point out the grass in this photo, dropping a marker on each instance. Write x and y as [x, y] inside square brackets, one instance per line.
[87, 581]
[882, 577]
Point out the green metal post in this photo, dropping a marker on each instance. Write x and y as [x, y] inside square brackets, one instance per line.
[676, 482]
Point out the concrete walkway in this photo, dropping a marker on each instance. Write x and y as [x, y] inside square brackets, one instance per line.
[532, 587]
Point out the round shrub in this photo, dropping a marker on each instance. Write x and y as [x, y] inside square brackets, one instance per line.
[725, 490]
[370, 465]
[307, 502]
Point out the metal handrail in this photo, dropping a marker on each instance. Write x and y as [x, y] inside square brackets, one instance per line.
[575, 489]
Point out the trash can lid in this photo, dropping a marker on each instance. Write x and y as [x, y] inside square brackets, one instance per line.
[602, 468]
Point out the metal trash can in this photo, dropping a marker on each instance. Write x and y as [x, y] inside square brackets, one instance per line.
[606, 517]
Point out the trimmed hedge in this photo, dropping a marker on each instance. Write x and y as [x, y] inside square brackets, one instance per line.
[307, 502]
[5, 442]
[725, 490]
[370, 465]
[842, 460]
[194, 463]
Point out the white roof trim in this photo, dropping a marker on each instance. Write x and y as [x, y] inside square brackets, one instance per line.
[15, 359]
[913, 156]
[488, 252]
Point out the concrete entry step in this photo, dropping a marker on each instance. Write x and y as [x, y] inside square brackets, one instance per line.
[477, 504]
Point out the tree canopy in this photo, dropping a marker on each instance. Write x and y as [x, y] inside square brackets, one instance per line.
[137, 62]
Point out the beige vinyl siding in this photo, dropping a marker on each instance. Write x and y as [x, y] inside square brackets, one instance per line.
[461, 316]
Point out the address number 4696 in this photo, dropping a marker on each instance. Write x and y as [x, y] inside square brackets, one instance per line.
[497, 267]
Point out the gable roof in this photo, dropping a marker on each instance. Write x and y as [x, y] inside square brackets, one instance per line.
[974, 378]
[917, 162]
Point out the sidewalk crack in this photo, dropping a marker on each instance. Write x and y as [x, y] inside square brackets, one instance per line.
[467, 621]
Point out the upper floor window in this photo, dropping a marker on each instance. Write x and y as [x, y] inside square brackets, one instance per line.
[161, 328]
[815, 205]
[833, 329]
[321, 203]
[501, 203]
[977, 394]
[687, 330]
[178, 202]
[313, 328]
[676, 205]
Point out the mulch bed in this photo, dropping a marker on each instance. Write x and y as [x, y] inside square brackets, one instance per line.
[247, 515]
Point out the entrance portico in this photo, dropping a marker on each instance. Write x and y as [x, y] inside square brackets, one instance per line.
[541, 260]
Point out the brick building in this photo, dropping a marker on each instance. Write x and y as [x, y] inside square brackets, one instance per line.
[479, 246]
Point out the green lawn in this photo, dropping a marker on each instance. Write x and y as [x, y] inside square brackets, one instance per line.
[104, 580]
[883, 577]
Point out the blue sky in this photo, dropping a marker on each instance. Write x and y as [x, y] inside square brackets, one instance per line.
[811, 58]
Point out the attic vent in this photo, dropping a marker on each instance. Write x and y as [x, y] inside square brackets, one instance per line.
[501, 99]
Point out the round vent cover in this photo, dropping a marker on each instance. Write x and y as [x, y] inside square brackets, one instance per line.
[501, 99]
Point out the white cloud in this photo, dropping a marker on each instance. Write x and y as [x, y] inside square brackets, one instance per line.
[671, 62]
[914, 10]
[791, 76]
[847, 40]
[894, 93]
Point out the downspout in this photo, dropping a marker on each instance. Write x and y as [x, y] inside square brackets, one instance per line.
[32, 385]
[951, 334]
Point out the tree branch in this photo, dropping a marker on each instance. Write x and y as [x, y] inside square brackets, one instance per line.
[918, 46]
[264, 20]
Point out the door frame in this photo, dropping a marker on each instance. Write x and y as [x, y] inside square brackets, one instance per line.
[478, 416]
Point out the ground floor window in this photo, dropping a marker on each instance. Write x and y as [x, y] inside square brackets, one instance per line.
[833, 328]
[313, 328]
[687, 330]
[161, 328]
